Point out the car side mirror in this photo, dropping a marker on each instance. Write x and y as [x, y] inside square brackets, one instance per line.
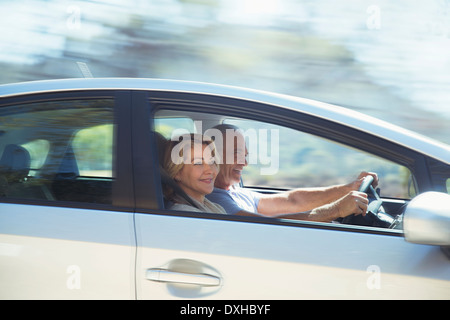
[427, 219]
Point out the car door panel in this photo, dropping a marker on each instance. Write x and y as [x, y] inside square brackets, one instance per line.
[272, 259]
[77, 241]
[264, 261]
[65, 253]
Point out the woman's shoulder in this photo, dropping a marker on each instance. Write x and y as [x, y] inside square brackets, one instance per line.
[184, 207]
[207, 207]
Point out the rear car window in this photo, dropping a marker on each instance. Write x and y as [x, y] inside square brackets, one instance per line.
[58, 151]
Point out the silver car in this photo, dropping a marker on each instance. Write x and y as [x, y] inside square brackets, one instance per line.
[82, 213]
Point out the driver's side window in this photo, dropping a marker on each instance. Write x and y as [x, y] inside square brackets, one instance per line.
[287, 158]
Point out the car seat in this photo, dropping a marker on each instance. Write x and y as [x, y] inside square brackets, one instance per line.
[14, 168]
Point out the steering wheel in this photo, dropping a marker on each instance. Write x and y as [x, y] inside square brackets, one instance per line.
[375, 215]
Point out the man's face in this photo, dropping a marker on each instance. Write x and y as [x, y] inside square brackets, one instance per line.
[234, 159]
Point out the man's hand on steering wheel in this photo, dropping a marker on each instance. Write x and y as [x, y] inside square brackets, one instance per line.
[367, 183]
[356, 185]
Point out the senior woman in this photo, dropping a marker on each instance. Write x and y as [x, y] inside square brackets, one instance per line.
[193, 164]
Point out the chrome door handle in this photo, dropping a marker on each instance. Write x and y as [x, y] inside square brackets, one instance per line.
[164, 275]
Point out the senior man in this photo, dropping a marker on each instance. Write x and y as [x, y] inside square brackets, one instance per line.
[324, 204]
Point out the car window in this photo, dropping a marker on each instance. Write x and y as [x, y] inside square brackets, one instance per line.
[286, 158]
[38, 150]
[167, 126]
[58, 151]
[93, 149]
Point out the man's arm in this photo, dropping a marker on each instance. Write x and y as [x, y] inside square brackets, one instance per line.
[352, 203]
[308, 199]
[300, 200]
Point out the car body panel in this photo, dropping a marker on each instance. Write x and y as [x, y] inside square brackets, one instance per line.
[65, 253]
[283, 262]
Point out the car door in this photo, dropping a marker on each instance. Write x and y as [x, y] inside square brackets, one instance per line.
[184, 254]
[66, 218]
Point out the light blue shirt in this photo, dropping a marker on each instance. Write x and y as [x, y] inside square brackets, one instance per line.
[235, 199]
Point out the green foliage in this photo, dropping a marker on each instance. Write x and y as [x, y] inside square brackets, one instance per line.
[93, 148]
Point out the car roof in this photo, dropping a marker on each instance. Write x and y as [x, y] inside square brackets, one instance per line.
[351, 118]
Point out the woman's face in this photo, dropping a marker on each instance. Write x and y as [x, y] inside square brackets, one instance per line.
[197, 176]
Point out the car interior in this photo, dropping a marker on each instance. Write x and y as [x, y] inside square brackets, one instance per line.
[382, 212]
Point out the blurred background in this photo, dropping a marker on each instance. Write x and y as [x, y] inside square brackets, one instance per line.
[389, 59]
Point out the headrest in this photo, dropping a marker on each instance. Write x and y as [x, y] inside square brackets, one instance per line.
[15, 162]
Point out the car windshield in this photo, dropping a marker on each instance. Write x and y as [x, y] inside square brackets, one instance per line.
[385, 58]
